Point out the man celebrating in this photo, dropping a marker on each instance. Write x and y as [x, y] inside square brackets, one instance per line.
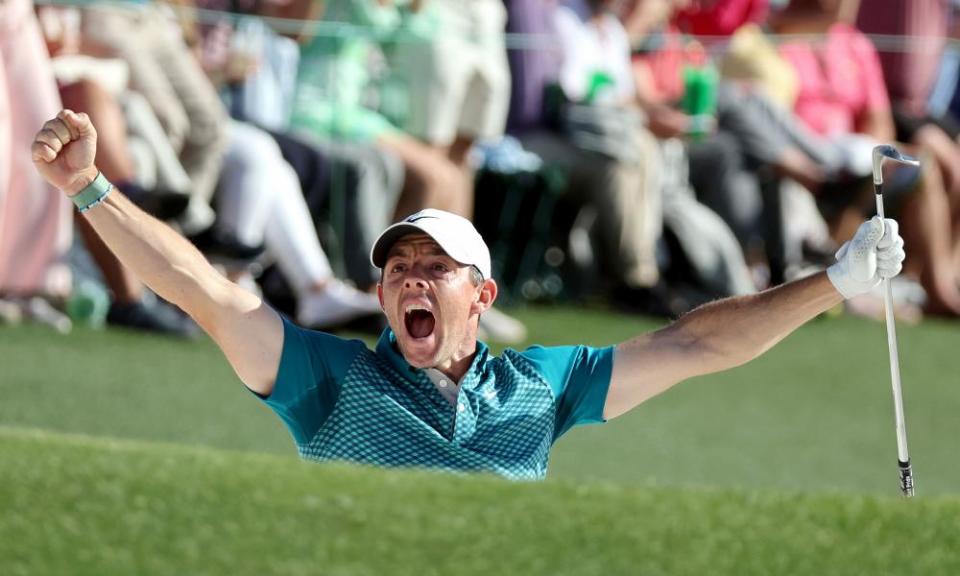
[430, 395]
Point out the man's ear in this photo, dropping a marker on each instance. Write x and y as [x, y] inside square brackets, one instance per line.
[380, 295]
[486, 296]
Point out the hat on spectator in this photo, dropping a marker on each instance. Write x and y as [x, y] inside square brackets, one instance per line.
[454, 234]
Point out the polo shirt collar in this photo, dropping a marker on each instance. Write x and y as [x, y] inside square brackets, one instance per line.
[389, 350]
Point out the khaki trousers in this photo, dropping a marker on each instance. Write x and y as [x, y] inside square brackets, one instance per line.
[625, 194]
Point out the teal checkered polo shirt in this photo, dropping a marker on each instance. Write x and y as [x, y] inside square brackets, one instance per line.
[343, 401]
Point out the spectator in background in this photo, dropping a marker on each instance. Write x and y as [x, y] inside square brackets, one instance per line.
[350, 187]
[334, 85]
[128, 307]
[79, 79]
[260, 202]
[259, 199]
[452, 57]
[596, 72]
[624, 191]
[842, 93]
[164, 70]
[35, 220]
[331, 104]
[726, 165]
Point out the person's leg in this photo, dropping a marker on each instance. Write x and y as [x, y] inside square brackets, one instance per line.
[459, 155]
[368, 208]
[432, 180]
[245, 194]
[204, 143]
[627, 200]
[261, 200]
[358, 184]
[35, 221]
[143, 125]
[110, 28]
[322, 300]
[945, 151]
[927, 227]
[486, 100]
[202, 152]
[459, 84]
[711, 248]
[720, 181]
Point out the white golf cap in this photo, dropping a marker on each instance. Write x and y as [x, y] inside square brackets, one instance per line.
[455, 235]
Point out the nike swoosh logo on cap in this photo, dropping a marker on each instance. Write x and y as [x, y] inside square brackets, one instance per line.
[416, 218]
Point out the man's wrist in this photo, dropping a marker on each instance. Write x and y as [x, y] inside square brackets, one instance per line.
[92, 195]
[84, 179]
[837, 277]
[848, 286]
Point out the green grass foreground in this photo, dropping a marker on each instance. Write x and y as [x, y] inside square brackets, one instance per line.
[813, 414]
[92, 506]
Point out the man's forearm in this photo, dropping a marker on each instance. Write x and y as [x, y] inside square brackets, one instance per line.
[730, 332]
[736, 330]
[161, 258]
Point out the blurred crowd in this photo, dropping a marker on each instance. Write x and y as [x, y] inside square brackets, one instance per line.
[655, 154]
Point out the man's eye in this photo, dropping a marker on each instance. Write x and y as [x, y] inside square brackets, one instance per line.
[440, 267]
[398, 268]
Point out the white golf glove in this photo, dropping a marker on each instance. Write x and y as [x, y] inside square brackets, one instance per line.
[874, 253]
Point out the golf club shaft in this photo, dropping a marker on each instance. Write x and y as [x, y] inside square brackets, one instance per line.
[903, 456]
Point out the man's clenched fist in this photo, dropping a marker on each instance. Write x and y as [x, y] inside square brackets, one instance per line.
[64, 151]
[875, 252]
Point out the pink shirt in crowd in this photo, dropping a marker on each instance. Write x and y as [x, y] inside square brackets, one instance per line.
[666, 67]
[840, 81]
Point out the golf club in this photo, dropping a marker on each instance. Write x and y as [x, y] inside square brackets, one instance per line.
[881, 153]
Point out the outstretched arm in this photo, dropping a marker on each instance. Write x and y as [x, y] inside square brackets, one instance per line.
[247, 330]
[731, 332]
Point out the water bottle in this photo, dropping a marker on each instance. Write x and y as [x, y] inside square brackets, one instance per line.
[700, 92]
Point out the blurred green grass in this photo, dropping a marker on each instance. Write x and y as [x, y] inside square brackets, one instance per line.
[93, 506]
[815, 413]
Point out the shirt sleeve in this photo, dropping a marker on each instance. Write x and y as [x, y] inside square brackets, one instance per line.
[312, 367]
[579, 377]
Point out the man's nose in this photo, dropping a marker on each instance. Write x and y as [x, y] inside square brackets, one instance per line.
[414, 280]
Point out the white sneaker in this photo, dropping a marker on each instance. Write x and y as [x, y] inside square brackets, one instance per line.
[336, 304]
[39, 310]
[498, 326]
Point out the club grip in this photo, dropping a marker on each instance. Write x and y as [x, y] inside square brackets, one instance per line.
[906, 478]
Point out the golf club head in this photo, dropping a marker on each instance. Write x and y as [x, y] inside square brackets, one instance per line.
[886, 151]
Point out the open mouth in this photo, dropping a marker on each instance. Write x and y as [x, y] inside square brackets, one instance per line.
[419, 321]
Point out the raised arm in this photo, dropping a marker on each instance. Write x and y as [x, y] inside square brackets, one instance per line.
[247, 330]
[731, 332]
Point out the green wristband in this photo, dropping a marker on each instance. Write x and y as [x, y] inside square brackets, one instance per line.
[95, 193]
